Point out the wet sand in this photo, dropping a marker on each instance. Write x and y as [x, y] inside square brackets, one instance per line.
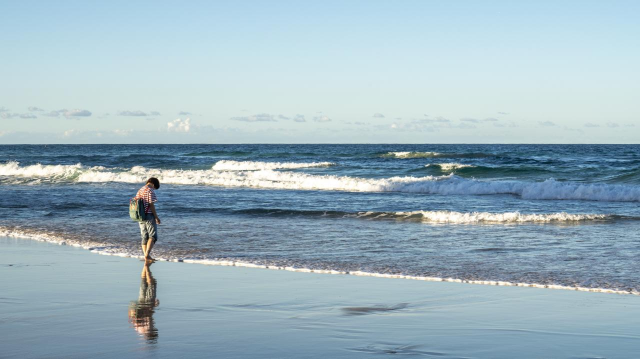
[65, 302]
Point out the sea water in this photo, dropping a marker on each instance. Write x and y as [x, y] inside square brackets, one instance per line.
[557, 216]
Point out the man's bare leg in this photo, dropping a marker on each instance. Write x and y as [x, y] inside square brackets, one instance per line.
[147, 251]
[144, 250]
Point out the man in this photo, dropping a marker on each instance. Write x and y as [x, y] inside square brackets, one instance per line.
[149, 227]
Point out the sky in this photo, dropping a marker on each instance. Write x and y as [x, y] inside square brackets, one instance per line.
[319, 72]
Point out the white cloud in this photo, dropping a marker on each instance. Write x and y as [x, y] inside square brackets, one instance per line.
[4, 109]
[179, 125]
[299, 118]
[612, 125]
[378, 115]
[182, 113]
[76, 113]
[52, 114]
[133, 113]
[322, 119]
[438, 121]
[138, 113]
[261, 117]
[9, 115]
[35, 109]
[547, 124]
[503, 113]
[283, 117]
[589, 124]
[69, 133]
[475, 120]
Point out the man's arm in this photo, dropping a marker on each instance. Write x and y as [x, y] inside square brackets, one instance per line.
[153, 210]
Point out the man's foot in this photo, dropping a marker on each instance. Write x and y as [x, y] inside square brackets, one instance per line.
[149, 259]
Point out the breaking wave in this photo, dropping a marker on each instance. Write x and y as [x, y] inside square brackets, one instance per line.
[266, 178]
[447, 167]
[257, 166]
[218, 153]
[487, 217]
[411, 154]
[52, 172]
[450, 217]
[408, 154]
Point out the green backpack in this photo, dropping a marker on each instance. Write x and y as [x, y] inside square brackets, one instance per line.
[136, 209]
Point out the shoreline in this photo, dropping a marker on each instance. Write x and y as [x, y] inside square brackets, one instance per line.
[228, 263]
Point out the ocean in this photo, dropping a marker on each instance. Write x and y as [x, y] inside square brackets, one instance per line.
[555, 216]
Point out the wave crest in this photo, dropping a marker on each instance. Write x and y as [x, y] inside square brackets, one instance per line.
[449, 217]
[442, 185]
[409, 154]
[448, 167]
[227, 165]
[13, 169]
[487, 217]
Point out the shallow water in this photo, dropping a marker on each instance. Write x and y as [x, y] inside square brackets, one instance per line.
[535, 214]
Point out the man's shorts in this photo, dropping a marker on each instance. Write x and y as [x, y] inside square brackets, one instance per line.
[149, 229]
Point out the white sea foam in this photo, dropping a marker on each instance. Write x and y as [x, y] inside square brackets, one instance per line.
[443, 185]
[412, 154]
[41, 236]
[486, 217]
[49, 171]
[447, 167]
[5, 232]
[226, 165]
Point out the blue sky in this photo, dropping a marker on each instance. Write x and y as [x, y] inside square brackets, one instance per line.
[319, 72]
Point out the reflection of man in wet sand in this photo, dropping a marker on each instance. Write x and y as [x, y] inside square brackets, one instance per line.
[141, 311]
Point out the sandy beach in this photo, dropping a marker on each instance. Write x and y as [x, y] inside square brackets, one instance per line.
[65, 302]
